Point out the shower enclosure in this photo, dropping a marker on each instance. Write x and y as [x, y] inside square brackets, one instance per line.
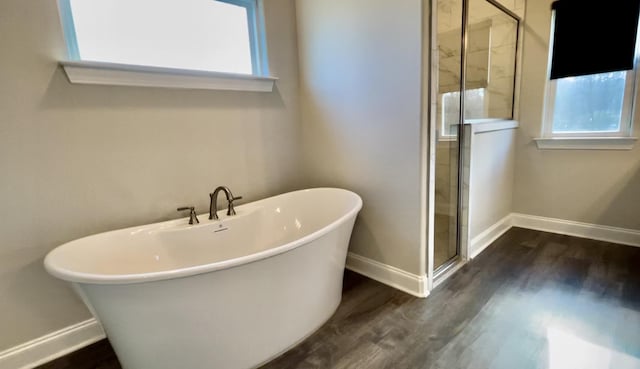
[474, 51]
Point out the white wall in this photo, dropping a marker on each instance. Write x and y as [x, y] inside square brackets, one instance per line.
[591, 186]
[360, 63]
[491, 178]
[76, 160]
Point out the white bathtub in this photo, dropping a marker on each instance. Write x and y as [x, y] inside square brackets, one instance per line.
[233, 293]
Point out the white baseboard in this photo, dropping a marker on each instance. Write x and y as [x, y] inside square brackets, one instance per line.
[397, 278]
[484, 239]
[52, 346]
[623, 236]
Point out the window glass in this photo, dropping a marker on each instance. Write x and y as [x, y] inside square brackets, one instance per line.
[475, 107]
[590, 103]
[187, 34]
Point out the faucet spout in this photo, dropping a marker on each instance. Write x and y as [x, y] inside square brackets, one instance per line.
[213, 207]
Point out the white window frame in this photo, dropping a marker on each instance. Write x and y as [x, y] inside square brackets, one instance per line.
[107, 73]
[598, 140]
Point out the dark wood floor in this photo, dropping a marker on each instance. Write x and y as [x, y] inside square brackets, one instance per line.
[531, 300]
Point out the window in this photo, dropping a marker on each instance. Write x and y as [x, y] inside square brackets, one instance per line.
[592, 105]
[475, 107]
[591, 98]
[179, 36]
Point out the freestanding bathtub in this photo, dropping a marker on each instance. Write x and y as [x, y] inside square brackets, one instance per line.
[231, 293]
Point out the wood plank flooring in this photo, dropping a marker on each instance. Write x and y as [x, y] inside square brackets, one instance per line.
[531, 300]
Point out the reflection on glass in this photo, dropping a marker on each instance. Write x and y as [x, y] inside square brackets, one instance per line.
[475, 107]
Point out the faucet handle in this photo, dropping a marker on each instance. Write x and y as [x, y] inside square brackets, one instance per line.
[192, 213]
[230, 209]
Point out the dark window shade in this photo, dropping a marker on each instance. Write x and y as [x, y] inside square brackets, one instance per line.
[593, 36]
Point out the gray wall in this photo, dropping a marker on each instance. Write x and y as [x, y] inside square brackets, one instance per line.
[76, 160]
[360, 64]
[599, 187]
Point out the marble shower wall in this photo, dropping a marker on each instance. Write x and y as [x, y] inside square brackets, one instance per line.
[502, 66]
[491, 52]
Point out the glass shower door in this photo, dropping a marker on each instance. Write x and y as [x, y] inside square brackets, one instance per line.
[448, 26]
[484, 67]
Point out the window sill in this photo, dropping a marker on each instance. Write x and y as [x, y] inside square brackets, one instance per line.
[586, 143]
[97, 73]
[490, 125]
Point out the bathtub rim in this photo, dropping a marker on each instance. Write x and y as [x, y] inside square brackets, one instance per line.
[131, 278]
